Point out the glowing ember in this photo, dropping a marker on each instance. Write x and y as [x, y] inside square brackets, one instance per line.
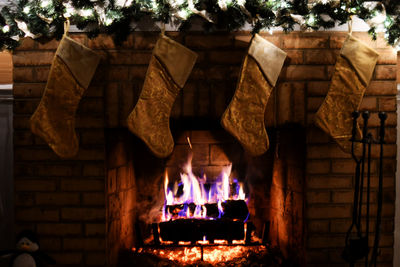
[211, 254]
[190, 196]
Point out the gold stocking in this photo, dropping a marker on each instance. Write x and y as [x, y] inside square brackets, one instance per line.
[353, 72]
[244, 117]
[167, 73]
[71, 71]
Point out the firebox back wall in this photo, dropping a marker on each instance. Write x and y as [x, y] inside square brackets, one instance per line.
[64, 200]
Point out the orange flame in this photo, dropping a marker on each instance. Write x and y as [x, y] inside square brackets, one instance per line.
[192, 190]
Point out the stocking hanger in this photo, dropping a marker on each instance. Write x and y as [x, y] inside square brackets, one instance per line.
[66, 26]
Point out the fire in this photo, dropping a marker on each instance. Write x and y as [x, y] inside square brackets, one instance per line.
[189, 196]
[210, 254]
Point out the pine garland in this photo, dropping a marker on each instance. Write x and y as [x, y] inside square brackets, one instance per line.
[45, 18]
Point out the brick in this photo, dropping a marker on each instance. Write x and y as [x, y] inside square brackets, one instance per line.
[26, 43]
[34, 154]
[83, 214]
[68, 258]
[329, 211]
[89, 137]
[318, 197]
[385, 72]
[318, 226]
[102, 41]
[294, 57]
[390, 135]
[37, 215]
[127, 102]
[340, 225]
[94, 91]
[57, 199]
[243, 41]
[119, 73]
[209, 41]
[25, 106]
[137, 72]
[343, 196]
[123, 57]
[86, 154]
[189, 100]
[226, 57]
[291, 103]
[93, 199]
[325, 241]
[41, 74]
[317, 88]
[141, 41]
[112, 104]
[224, 154]
[318, 166]
[313, 103]
[98, 259]
[28, 90]
[387, 104]
[23, 138]
[369, 103]
[59, 229]
[325, 56]
[387, 56]
[35, 185]
[92, 106]
[50, 44]
[82, 185]
[381, 88]
[94, 169]
[329, 182]
[33, 58]
[304, 73]
[24, 199]
[327, 151]
[304, 41]
[50, 244]
[374, 120]
[343, 166]
[84, 244]
[336, 41]
[23, 74]
[95, 229]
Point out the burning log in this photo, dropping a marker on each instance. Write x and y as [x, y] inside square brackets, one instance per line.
[231, 209]
[192, 230]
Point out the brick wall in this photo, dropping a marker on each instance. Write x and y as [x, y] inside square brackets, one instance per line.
[64, 200]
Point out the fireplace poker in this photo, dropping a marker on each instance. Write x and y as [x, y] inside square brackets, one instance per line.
[382, 117]
[357, 247]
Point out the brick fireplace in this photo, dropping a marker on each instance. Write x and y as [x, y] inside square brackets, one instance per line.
[84, 208]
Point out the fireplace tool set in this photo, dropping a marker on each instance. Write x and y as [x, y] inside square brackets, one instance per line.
[357, 245]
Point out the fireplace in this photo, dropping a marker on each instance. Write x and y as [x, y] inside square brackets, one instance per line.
[97, 208]
[209, 201]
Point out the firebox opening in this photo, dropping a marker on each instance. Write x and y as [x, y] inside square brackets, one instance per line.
[206, 204]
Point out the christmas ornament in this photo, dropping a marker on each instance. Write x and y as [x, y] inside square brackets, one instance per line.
[353, 71]
[244, 117]
[71, 71]
[166, 75]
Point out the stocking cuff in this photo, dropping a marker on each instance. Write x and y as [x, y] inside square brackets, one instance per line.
[176, 58]
[81, 61]
[361, 57]
[268, 56]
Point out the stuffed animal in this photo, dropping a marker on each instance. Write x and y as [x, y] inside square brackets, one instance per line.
[27, 252]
